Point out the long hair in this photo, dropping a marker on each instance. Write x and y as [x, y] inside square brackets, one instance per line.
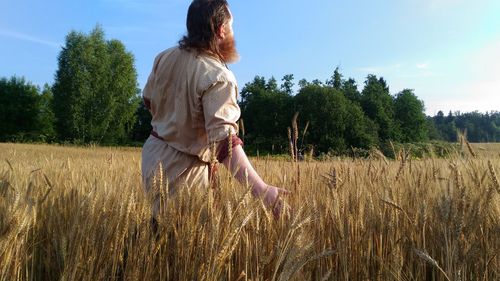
[204, 18]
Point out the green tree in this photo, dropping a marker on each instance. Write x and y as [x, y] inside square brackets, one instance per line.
[303, 83]
[125, 92]
[449, 128]
[480, 127]
[409, 113]
[272, 85]
[336, 80]
[317, 82]
[287, 84]
[378, 105]
[336, 123]
[46, 115]
[432, 129]
[19, 109]
[350, 89]
[251, 89]
[142, 127]
[95, 90]
[266, 112]
[436, 128]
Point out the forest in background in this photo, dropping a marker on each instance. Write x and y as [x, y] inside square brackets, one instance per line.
[95, 99]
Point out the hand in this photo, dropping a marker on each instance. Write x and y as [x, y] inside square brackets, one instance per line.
[273, 199]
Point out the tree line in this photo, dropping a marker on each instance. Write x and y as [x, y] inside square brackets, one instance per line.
[95, 99]
[477, 127]
[334, 116]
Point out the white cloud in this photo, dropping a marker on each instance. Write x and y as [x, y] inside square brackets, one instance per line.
[29, 38]
[424, 65]
[465, 81]
[400, 70]
[484, 100]
[379, 70]
[473, 85]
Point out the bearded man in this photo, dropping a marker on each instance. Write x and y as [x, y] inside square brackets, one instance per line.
[191, 95]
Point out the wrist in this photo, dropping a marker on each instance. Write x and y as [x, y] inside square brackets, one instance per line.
[260, 188]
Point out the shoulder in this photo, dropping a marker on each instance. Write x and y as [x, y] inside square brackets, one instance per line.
[203, 70]
[214, 71]
[162, 55]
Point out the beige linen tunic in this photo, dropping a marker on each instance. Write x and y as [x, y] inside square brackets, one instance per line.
[193, 104]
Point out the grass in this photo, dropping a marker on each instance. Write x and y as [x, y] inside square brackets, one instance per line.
[70, 213]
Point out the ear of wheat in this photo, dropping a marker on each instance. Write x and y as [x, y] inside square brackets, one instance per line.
[426, 257]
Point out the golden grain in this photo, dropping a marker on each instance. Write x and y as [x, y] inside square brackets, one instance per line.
[85, 216]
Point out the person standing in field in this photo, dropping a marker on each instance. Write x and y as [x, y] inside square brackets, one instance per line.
[192, 97]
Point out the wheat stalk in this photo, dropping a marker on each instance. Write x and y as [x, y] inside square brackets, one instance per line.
[290, 140]
[471, 150]
[494, 177]
[394, 205]
[295, 131]
[426, 257]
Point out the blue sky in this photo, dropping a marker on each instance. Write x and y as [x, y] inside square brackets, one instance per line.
[448, 51]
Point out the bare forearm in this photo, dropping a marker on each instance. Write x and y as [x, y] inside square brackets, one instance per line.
[240, 167]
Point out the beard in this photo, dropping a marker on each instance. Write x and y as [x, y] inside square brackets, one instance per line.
[227, 50]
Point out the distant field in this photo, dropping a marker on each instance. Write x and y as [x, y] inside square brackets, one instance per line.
[69, 213]
[487, 149]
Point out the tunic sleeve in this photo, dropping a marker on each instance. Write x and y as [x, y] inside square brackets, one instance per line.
[221, 110]
[147, 92]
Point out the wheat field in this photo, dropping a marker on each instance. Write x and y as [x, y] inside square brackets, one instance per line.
[70, 213]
